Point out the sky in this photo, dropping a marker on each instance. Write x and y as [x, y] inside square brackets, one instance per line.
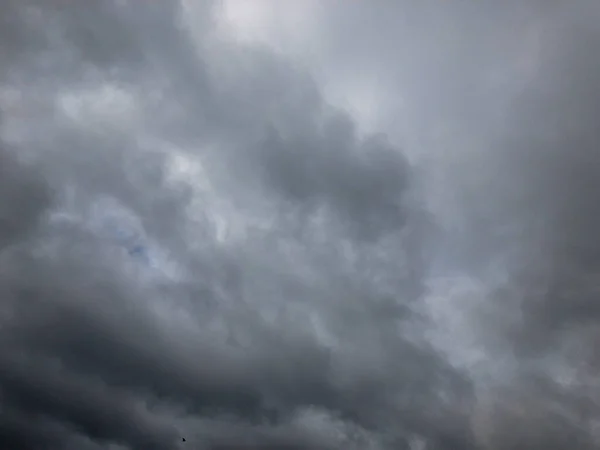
[309, 225]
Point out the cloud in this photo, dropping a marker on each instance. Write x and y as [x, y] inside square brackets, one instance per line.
[246, 343]
[24, 199]
[196, 242]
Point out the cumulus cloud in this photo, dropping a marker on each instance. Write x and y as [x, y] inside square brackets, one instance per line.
[197, 242]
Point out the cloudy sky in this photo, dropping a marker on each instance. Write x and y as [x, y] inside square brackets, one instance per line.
[299, 225]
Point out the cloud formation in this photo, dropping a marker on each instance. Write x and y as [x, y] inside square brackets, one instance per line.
[196, 242]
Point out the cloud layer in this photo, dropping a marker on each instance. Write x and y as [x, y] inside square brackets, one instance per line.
[196, 242]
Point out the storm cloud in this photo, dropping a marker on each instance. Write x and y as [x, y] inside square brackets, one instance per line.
[202, 236]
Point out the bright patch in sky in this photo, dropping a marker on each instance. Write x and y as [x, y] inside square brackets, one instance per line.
[293, 29]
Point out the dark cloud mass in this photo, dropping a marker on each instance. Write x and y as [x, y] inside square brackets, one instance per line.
[195, 242]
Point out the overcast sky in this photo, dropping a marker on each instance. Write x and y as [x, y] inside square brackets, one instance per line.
[299, 225]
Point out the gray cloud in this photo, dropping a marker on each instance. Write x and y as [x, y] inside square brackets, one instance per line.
[365, 182]
[194, 242]
[24, 198]
[102, 350]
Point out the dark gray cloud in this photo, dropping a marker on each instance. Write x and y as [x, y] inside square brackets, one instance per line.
[281, 335]
[194, 242]
[365, 181]
[24, 198]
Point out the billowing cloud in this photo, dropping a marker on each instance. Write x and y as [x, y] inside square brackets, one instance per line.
[198, 240]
